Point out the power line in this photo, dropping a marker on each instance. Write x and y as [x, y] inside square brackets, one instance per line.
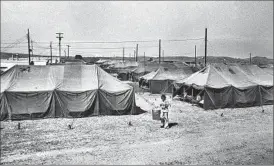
[111, 47]
[47, 47]
[211, 46]
[42, 52]
[127, 41]
[96, 51]
[184, 39]
[111, 42]
[44, 47]
[12, 45]
[15, 47]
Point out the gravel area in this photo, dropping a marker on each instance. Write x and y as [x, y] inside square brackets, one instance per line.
[241, 136]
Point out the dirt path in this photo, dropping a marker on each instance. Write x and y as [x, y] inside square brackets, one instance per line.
[188, 149]
[242, 136]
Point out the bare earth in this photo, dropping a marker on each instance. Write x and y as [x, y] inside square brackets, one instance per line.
[241, 136]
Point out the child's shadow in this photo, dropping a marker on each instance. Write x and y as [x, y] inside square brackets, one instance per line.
[172, 124]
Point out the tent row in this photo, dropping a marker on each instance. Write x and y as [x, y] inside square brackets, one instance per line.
[161, 80]
[62, 91]
[227, 86]
[147, 68]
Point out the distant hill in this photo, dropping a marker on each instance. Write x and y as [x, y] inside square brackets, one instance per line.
[261, 60]
[210, 59]
[213, 59]
[6, 55]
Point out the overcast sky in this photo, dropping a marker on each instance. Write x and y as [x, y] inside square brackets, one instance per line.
[234, 28]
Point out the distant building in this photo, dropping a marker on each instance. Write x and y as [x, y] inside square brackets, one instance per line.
[73, 61]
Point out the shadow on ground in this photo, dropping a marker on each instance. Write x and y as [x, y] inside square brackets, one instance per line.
[172, 124]
[139, 111]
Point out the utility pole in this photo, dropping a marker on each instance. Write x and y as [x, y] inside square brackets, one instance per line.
[250, 60]
[29, 46]
[123, 54]
[134, 55]
[68, 50]
[163, 53]
[144, 59]
[159, 51]
[205, 44]
[50, 52]
[59, 37]
[137, 53]
[195, 57]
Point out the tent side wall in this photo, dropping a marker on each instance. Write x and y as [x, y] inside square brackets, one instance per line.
[76, 104]
[160, 86]
[35, 105]
[30, 105]
[248, 97]
[4, 113]
[117, 103]
[231, 97]
[218, 98]
[267, 95]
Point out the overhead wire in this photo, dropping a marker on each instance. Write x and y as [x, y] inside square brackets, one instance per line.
[106, 42]
[126, 41]
[40, 44]
[213, 49]
[12, 45]
[184, 39]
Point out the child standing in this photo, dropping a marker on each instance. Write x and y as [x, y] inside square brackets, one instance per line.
[164, 111]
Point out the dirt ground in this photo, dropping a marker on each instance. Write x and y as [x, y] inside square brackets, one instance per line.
[241, 136]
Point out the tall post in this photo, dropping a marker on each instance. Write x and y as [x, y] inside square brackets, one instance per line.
[137, 53]
[68, 50]
[195, 57]
[159, 51]
[134, 55]
[51, 52]
[205, 44]
[250, 60]
[123, 54]
[59, 37]
[29, 46]
[163, 53]
[144, 58]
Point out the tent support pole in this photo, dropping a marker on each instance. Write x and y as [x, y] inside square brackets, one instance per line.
[261, 97]
[192, 95]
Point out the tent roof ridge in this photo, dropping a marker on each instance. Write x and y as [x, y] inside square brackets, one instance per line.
[97, 74]
[216, 71]
[158, 72]
[209, 73]
[249, 78]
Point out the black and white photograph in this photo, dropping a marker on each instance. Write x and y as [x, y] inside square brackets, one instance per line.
[136, 83]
